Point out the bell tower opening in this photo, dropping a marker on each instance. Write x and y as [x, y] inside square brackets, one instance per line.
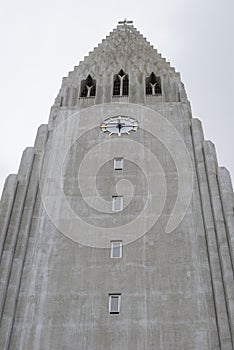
[153, 85]
[121, 84]
[88, 87]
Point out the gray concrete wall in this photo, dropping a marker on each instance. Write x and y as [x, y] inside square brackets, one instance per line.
[176, 287]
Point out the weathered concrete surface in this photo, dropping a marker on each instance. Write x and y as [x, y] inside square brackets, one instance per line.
[176, 288]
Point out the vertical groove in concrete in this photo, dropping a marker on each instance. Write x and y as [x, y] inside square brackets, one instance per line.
[213, 255]
[221, 235]
[226, 193]
[22, 241]
[6, 206]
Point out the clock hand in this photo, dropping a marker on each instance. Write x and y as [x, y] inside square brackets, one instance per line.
[117, 125]
[108, 126]
[129, 126]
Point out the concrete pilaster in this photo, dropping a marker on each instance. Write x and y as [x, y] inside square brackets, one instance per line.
[21, 240]
[6, 205]
[12, 236]
[212, 250]
[226, 193]
[220, 230]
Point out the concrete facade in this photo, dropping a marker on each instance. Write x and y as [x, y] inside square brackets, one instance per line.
[175, 276]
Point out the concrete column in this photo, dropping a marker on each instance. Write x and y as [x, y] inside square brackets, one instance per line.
[20, 251]
[220, 230]
[67, 96]
[6, 205]
[12, 236]
[226, 193]
[222, 321]
[74, 96]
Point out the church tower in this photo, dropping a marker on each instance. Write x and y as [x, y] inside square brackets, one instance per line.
[117, 233]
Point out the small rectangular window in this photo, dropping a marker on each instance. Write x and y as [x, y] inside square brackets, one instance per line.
[114, 303]
[116, 249]
[118, 163]
[117, 203]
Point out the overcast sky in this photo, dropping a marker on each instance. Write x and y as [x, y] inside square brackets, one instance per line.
[41, 41]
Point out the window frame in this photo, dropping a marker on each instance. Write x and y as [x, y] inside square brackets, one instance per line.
[118, 159]
[113, 203]
[120, 249]
[111, 296]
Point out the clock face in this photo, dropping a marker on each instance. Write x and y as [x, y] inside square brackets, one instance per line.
[119, 125]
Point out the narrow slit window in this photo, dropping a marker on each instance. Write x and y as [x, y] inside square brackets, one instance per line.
[118, 163]
[117, 203]
[114, 303]
[61, 101]
[116, 249]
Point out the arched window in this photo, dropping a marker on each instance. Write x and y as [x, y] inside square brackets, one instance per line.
[88, 87]
[120, 84]
[153, 85]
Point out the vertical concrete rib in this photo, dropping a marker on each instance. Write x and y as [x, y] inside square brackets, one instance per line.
[196, 137]
[14, 224]
[22, 241]
[221, 235]
[6, 206]
[226, 194]
[212, 249]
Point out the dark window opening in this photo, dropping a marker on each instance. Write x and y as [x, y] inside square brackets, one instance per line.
[116, 89]
[88, 87]
[61, 101]
[153, 85]
[121, 84]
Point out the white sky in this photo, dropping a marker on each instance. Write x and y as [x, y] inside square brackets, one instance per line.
[41, 41]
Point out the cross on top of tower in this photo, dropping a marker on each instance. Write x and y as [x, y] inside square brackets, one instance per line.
[125, 21]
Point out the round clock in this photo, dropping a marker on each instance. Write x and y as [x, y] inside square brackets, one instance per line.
[119, 125]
